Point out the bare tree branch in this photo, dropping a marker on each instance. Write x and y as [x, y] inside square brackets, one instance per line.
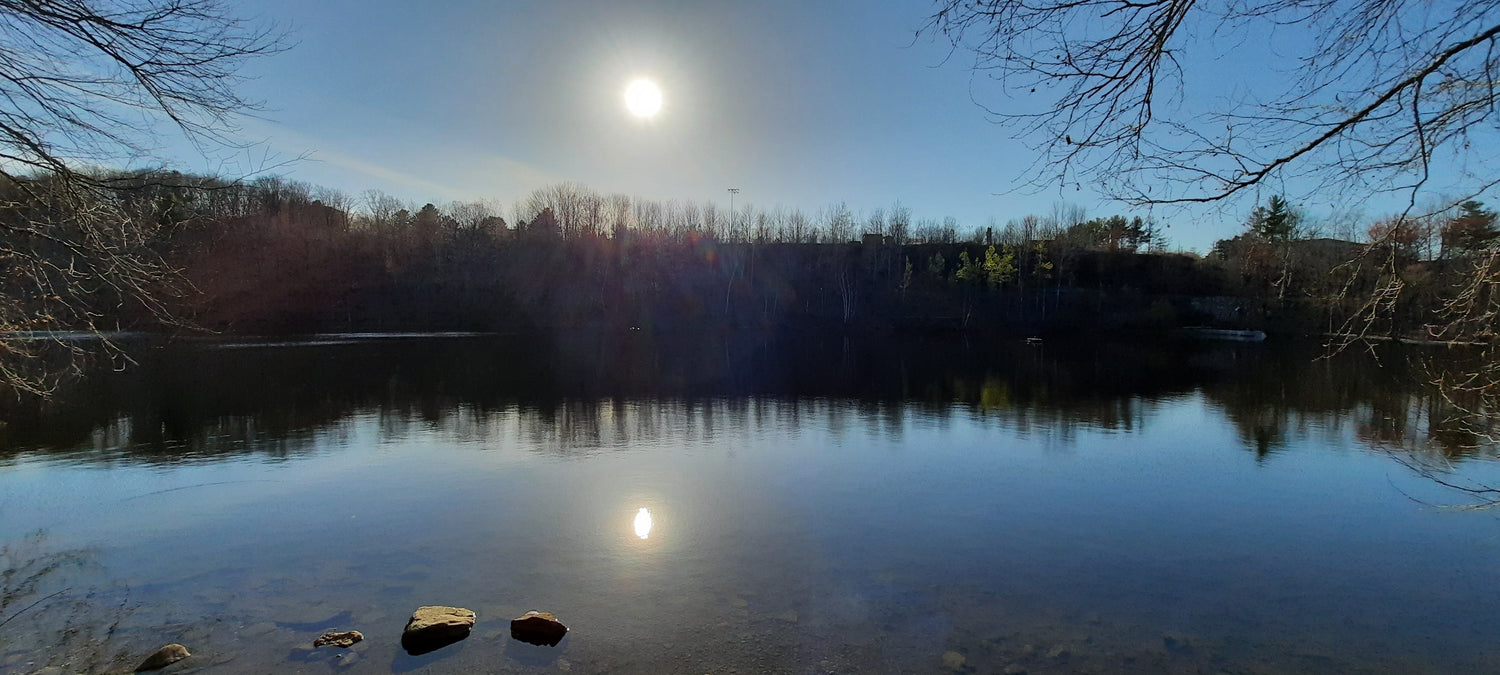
[82, 83]
[1373, 90]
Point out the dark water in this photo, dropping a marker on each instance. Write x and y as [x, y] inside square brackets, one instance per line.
[816, 505]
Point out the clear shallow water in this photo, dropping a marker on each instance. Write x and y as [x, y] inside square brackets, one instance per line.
[816, 506]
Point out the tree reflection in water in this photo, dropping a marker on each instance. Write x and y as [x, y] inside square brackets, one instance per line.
[202, 403]
[193, 401]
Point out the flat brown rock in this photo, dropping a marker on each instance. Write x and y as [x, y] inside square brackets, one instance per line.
[434, 627]
[164, 657]
[538, 628]
[345, 639]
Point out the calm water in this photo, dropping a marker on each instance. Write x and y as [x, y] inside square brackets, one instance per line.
[815, 506]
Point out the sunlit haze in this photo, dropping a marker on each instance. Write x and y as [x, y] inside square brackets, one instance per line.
[802, 105]
[473, 100]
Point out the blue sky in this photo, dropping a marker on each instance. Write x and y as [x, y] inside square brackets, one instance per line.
[798, 104]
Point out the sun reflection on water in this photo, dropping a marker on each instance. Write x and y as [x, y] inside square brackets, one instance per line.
[643, 523]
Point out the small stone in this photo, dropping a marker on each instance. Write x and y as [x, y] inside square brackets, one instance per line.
[1058, 652]
[433, 627]
[1177, 642]
[348, 659]
[345, 639]
[954, 661]
[438, 618]
[538, 628]
[164, 657]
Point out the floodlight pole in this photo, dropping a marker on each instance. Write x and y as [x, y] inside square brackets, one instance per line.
[732, 193]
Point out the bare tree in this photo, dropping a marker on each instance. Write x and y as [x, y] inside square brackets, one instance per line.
[875, 224]
[471, 216]
[1363, 97]
[338, 201]
[1065, 215]
[1373, 91]
[840, 223]
[799, 229]
[617, 214]
[81, 83]
[899, 225]
[74, 75]
[381, 208]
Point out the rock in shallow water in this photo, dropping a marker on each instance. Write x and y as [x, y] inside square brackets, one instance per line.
[164, 657]
[538, 628]
[1177, 642]
[434, 626]
[345, 639]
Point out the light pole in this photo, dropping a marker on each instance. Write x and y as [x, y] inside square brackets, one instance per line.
[732, 193]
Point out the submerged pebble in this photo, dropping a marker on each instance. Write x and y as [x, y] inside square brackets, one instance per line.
[345, 639]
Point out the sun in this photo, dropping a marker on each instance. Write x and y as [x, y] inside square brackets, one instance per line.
[643, 98]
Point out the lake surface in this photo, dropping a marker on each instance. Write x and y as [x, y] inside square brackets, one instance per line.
[816, 505]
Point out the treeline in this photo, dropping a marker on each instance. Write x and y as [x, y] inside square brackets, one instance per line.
[280, 256]
[1413, 276]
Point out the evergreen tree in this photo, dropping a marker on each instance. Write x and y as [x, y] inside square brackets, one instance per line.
[937, 267]
[1277, 220]
[1473, 229]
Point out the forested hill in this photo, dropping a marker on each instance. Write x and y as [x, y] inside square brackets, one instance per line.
[282, 257]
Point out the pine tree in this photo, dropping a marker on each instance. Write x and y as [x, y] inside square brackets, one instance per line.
[937, 267]
[1473, 229]
[1277, 220]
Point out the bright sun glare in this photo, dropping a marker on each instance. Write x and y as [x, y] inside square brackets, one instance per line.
[643, 98]
[643, 523]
